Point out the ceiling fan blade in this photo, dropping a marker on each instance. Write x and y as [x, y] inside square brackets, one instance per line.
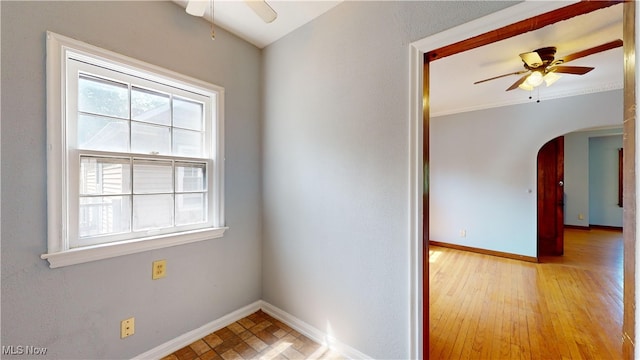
[197, 7]
[575, 70]
[596, 49]
[263, 10]
[517, 83]
[500, 76]
[532, 59]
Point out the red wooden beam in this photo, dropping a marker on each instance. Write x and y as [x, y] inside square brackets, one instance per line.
[520, 27]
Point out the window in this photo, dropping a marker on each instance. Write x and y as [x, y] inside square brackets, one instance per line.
[135, 155]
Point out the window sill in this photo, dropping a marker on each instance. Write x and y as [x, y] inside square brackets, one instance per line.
[106, 251]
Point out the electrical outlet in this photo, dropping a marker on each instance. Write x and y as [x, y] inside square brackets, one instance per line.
[580, 216]
[159, 269]
[127, 327]
[463, 233]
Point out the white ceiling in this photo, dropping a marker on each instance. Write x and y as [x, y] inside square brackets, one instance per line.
[452, 89]
[237, 17]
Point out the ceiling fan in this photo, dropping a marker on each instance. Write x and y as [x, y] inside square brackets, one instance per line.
[260, 7]
[541, 66]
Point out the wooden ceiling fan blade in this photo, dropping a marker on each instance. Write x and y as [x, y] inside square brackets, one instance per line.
[575, 70]
[501, 76]
[197, 7]
[517, 83]
[263, 10]
[532, 59]
[594, 50]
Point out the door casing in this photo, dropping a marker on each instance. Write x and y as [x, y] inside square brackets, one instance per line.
[419, 159]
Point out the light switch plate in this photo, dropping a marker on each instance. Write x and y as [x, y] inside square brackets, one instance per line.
[127, 327]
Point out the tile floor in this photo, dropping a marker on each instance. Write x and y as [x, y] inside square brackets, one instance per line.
[257, 336]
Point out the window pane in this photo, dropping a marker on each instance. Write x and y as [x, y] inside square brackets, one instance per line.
[150, 106]
[104, 215]
[187, 143]
[190, 177]
[151, 177]
[187, 114]
[100, 133]
[190, 209]
[152, 212]
[150, 139]
[103, 97]
[104, 176]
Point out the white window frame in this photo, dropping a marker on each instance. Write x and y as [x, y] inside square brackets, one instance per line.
[60, 198]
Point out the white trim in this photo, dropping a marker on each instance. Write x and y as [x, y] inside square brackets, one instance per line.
[82, 51]
[219, 160]
[56, 190]
[183, 340]
[312, 333]
[416, 178]
[109, 250]
[510, 15]
[298, 325]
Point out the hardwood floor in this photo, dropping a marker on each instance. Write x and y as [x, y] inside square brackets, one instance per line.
[569, 307]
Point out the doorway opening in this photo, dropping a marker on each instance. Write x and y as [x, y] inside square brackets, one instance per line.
[455, 41]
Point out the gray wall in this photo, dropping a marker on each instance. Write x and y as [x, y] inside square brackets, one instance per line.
[336, 168]
[483, 168]
[75, 311]
[577, 178]
[603, 181]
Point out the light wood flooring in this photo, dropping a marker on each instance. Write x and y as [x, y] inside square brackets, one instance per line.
[569, 307]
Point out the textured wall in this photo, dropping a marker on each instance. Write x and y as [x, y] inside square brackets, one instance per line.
[576, 178]
[483, 164]
[576, 175]
[336, 168]
[75, 311]
[603, 181]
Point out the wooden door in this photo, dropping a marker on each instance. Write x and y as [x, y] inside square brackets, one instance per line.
[551, 198]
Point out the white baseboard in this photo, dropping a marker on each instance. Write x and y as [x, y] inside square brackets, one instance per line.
[183, 340]
[300, 326]
[312, 333]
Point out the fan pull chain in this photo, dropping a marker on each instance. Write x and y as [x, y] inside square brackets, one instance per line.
[213, 30]
[531, 94]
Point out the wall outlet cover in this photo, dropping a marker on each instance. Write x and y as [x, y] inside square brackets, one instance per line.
[159, 269]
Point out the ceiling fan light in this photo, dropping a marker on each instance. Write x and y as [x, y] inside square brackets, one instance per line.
[535, 79]
[550, 78]
[525, 86]
[196, 7]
